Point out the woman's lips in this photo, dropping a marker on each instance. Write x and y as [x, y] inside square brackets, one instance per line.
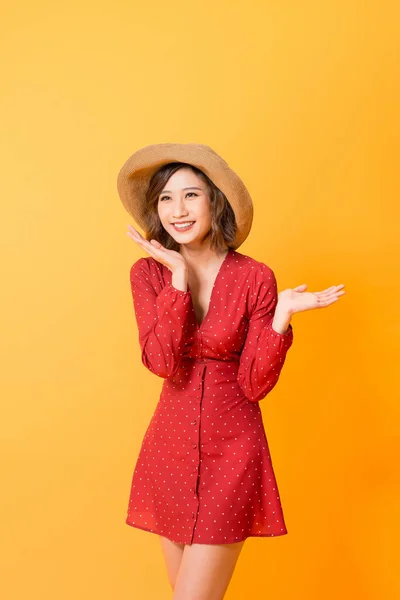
[184, 228]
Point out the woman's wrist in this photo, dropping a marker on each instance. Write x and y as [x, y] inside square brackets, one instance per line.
[179, 280]
[281, 320]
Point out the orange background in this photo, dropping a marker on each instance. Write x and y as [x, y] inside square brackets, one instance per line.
[302, 99]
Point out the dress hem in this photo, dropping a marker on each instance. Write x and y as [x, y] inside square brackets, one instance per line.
[285, 532]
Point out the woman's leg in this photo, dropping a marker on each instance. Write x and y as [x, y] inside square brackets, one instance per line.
[173, 553]
[206, 571]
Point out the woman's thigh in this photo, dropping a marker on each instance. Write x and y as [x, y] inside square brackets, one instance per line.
[206, 571]
[173, 553]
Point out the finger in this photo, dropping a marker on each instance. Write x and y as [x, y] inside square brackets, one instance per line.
[137, 237]
[148, 247]
[333, 287]
[300, 287]
[329, 301]
[142, 243]
[135, 232]
[157, 244]
[332, 290]
[134, 235]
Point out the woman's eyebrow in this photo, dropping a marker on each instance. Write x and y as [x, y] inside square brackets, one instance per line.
[192, 187]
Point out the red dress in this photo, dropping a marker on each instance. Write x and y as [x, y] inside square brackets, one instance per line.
[204, 472]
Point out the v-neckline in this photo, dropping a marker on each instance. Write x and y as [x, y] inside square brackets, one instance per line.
[200, 325]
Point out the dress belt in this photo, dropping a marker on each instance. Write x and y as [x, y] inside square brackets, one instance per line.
[210, 360]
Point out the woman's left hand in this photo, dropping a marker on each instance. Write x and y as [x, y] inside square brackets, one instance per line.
[297, 299]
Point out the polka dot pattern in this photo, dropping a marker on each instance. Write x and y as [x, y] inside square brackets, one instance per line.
[204, 473]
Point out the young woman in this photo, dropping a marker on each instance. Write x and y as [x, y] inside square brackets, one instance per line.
[213, 326]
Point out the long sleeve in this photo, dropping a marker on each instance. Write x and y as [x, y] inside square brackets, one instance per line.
[161, 319]
[264, 350]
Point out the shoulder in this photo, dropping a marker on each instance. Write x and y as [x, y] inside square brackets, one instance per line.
[142, 263]
[255, 270]
[261, 285]
[143, 268]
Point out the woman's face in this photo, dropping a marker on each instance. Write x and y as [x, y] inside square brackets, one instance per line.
[185, 199]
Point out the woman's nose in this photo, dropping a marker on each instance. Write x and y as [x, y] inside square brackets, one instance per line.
[179, 210]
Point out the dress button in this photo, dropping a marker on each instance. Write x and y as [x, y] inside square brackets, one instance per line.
[194, 422]
[194, 445]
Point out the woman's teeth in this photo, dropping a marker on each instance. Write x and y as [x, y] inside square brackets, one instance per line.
[183, 226]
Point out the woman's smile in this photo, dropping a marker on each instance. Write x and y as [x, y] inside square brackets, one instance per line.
[183, 226]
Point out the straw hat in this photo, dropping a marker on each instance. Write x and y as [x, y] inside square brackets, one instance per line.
[134, 177]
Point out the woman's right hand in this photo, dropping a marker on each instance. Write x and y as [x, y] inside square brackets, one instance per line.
[173, 260]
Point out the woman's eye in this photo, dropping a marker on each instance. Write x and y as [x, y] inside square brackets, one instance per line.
[166, 197]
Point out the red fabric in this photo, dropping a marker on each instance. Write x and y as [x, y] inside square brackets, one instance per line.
[204, 472]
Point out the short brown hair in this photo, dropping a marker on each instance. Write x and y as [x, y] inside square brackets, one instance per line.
[223, 223]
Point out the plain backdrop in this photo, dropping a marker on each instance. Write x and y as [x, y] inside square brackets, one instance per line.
[302, 100]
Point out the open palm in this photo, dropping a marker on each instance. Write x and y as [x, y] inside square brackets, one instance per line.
[170, 258]
[297, 299]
